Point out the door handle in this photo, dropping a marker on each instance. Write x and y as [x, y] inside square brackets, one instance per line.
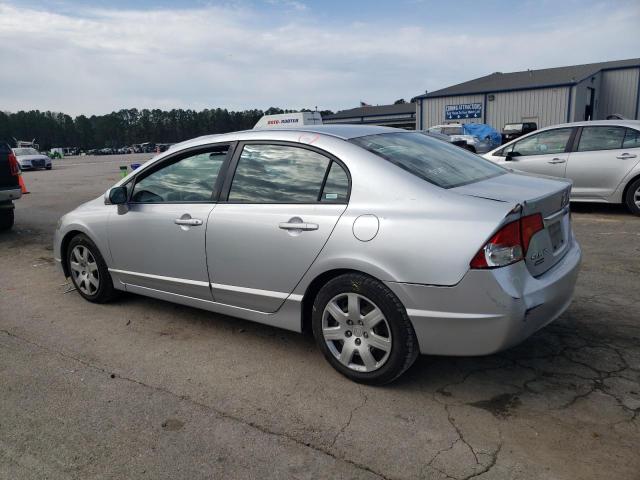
[624, 156]
[298, 226]
[556, 160]
[191, 222]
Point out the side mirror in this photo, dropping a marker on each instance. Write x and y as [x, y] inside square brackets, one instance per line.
[509, 157]
[118, 195]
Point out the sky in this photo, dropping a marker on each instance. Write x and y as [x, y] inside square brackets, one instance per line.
[97, 56]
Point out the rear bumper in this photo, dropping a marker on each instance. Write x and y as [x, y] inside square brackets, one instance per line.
[489, 310]
[8, 194]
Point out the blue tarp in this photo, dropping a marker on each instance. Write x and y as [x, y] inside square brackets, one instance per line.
[482, 130]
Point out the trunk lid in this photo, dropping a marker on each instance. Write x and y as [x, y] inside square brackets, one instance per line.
[547, 196]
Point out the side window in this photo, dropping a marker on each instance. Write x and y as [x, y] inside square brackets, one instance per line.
[601, 138]
[278, 174]
[503, 152]
[191, 179]
[631, 139]
[336, 187]
[543, 143]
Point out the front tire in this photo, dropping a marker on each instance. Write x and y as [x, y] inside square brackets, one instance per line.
[632, 198]
[363, 329]
[89, 272]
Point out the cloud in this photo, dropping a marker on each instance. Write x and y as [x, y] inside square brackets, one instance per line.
[97, 60]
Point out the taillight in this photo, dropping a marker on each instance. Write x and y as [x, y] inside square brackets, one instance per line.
[509, 244]
[530, 225]
[14, 166]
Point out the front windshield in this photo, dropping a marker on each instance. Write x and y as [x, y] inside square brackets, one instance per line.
[25, 151]
[437, 162]
[512, 126]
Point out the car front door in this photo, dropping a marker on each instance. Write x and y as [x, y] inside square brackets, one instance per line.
[157, 240]
[603, 157]
[280, 207]
[543, 153]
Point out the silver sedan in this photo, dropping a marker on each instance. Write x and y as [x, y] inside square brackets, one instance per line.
[601, 158]
[383, 243]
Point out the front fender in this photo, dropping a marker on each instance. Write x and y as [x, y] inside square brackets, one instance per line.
[87, 222]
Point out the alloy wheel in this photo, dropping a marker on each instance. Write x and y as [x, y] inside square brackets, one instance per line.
[84, 269]
[636, 197]
[356, 332]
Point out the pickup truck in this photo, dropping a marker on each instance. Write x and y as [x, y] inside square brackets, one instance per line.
[9, 185]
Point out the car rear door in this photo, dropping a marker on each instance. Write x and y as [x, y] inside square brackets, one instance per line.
[281, 205]
[157, 240]
[603, 156]
[545, 152]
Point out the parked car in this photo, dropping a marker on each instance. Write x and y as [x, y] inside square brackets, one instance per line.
[384, 243]
[602, 158]
[473, 142]
[9, 185]
[444, 138]
[30, 159]
[511, 131]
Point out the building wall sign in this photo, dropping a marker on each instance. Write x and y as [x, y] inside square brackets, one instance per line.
[462, 111]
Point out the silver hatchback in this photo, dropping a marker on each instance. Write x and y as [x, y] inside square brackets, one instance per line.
[383, 243]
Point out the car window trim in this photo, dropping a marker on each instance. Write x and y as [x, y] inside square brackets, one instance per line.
[176, 157]
[627, 130]
[233, 165]
[574, 138]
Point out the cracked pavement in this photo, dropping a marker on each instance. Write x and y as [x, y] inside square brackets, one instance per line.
[146, 389]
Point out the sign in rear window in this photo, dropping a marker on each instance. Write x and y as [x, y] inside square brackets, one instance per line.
[463, 110]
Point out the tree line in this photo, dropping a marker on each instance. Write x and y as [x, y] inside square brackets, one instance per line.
[125, 127]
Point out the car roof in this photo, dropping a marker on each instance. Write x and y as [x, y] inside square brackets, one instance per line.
[344, 132]
[598, 123]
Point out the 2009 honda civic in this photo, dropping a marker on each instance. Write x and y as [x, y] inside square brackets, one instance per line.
[383, 243]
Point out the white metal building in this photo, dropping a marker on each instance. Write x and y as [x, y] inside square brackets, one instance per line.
[547, 97]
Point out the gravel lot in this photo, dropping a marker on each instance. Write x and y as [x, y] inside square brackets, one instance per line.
[146, 389]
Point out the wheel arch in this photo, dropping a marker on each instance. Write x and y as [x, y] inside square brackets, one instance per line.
[64, 246]
[314, 287]
[628, 186]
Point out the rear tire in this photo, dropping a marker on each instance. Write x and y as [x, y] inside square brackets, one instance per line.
[6, 219]
[361, 314]
[89, 272]
[632, 197]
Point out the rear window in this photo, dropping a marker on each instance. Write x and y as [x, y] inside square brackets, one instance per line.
[516, 127]
[452, 130]
[437, 162]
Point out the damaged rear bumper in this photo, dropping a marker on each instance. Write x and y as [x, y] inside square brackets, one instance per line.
[489, 310]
